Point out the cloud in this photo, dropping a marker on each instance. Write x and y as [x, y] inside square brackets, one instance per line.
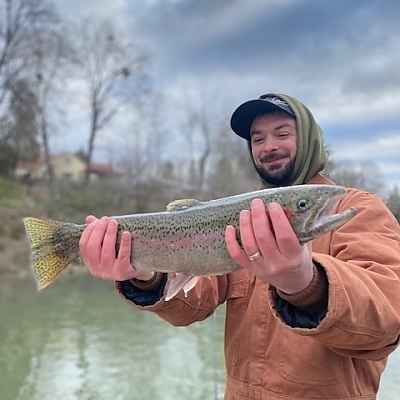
[341, 58]
[385, 146]
[381, 151]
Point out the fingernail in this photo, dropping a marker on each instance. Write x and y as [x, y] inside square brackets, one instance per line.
[257, 203]
[244, 214]
[274, 206]
[112, 224]
[126, 236]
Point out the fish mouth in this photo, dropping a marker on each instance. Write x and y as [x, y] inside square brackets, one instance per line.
[325, 207]
[325, 220]
[328, 208]
[326, 213]
[334, 221]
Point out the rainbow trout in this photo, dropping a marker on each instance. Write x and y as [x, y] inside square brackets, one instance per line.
[188, 238]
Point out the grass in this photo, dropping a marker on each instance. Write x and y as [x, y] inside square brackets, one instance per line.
[14, 248]
[16, 202]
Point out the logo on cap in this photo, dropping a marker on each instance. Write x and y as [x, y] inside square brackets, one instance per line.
[279, 103]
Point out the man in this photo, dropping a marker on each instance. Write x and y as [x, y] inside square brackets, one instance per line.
[302, 322]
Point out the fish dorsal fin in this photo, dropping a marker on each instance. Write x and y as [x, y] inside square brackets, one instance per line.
[181, 204]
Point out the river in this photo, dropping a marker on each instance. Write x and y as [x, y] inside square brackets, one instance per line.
[77, 340]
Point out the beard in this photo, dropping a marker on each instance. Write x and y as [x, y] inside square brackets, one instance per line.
[277, 174]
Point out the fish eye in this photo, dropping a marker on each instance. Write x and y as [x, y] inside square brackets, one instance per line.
[303, 204]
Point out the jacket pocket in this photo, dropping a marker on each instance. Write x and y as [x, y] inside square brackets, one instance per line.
[236, 300]
[304, 360]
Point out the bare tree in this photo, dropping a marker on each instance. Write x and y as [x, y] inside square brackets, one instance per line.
[219, 163]
[18, 22]
[29, 53]
[200, 128]
[113, 70]
[49, 60]
[232, 170]
[146, 174]
[364, 175]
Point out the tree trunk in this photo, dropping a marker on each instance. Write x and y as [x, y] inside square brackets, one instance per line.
[50, 171]
[93, 132]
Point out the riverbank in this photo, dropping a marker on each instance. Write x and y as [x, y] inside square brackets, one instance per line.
[17, 202]
[14, 248]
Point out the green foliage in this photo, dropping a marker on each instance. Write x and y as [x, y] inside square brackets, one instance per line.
[74, 204]
[9, 190]
[22, 132]
[12, 204]
[8, 159]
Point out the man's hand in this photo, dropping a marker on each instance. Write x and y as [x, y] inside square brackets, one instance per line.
[278, 257]
[97, 249]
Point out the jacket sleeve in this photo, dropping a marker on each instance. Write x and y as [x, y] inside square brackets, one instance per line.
[362, 265]
[181, 310]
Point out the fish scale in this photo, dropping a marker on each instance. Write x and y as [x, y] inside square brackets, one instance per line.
[188, 238]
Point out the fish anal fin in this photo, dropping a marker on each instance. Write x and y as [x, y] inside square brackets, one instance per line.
[182, 204]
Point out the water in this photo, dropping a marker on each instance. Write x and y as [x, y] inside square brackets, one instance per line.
[77, 340]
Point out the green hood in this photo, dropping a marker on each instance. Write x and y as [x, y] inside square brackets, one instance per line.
[311, 154]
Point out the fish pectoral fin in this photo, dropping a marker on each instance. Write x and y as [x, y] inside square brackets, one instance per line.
[191, 284]
[177, 284]
[182, 204]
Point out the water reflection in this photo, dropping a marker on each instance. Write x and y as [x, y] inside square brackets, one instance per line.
[77, 340]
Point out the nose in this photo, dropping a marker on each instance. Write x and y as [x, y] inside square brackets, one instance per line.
[270, 145]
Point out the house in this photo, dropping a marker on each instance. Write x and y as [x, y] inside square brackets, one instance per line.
[67, 167]
[32, 169]
[101, 171]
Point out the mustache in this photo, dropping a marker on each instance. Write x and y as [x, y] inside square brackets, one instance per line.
[273, 156]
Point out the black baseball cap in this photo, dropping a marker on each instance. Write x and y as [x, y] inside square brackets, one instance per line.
[245, 114]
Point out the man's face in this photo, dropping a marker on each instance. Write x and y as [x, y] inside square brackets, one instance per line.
[273, 145]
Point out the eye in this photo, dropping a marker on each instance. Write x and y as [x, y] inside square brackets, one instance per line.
[257, 140]
[283, 135]
[304, 204]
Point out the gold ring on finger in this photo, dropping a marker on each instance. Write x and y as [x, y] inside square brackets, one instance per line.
[255, 256]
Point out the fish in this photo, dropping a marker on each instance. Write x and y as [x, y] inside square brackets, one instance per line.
[188, 238]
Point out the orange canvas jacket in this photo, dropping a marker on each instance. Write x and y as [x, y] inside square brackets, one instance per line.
[343, 356]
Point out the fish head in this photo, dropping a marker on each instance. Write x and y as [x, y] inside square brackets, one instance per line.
[310, 209]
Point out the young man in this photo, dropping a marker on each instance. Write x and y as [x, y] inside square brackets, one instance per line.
[302, 322]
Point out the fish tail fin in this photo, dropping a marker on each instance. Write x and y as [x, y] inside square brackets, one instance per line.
[49, 255]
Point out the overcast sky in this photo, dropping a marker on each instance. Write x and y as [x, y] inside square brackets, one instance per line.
[339, 57]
